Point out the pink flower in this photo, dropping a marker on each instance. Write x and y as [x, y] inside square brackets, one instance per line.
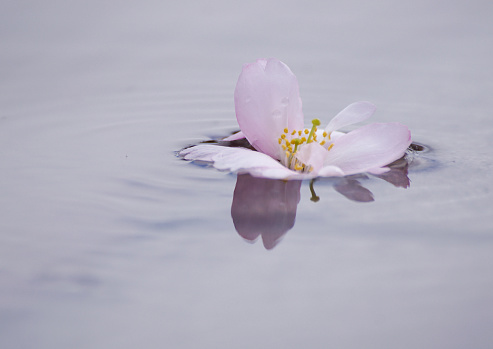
[268, 110]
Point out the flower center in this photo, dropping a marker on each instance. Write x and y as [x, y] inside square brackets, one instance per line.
[292, 141]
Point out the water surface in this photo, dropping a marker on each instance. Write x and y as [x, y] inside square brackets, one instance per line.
[108, 239]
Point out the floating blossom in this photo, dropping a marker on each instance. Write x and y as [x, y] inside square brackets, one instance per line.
[268, 110]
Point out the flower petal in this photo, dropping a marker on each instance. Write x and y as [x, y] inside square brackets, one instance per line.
[378, 170]
[330, 171]
[369, 147]
[312, 154]
[239, 160]
[352, 114]
[234, 137]
[267, 100]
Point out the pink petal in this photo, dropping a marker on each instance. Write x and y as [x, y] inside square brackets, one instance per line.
[369, 147]
[312, 154]
[239, 160]
[234, 137]
[330, 171]
[352, 114]
[334, 135]
[267, 100]
[378, 170]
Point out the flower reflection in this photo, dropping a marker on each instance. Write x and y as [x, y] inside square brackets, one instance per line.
[353, 190]
[397, 174]
[267, 207]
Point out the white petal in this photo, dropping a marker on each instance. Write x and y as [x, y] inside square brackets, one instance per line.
[369, 147]
[200, 152]
[236, 159]
[267, 100]
[352, 114]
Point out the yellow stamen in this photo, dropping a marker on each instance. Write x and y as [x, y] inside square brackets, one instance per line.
[283, 136]
[306, 131]
[292, 133]
[296, 142]
[324, 134]
[330, 147]
[299, 133]
[285, 130]
[315, 123]
[323, 142]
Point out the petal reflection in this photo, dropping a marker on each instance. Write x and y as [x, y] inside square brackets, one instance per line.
[353, 190]
[264, 207]
[398, 174]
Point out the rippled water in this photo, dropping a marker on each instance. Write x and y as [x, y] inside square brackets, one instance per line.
[108, 239]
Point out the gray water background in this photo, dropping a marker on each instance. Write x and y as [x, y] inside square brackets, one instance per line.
[108, 240]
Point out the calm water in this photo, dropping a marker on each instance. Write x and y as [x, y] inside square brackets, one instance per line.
[107, 239]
